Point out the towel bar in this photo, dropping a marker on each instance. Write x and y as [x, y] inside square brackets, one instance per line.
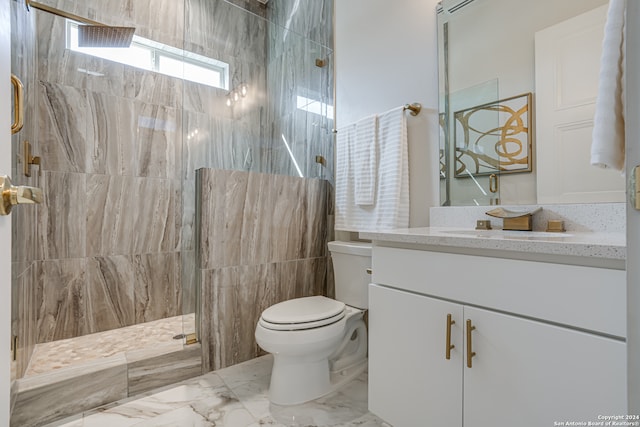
[414, 109]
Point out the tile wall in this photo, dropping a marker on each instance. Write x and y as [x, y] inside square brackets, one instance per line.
[110, 137]
[262, 240]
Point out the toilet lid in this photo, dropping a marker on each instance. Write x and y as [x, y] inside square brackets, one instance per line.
[303, 313]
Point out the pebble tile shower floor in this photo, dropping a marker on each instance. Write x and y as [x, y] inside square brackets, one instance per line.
[54, 355]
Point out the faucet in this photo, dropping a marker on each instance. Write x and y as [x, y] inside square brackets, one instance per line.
[515, 220]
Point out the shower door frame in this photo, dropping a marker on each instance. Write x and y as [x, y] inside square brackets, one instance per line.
[5, 222]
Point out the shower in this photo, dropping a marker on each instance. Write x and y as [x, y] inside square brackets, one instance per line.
[108, 269]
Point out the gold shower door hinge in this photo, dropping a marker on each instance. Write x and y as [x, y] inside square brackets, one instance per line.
[635, 188]
[191, 339]
[28, 159]
[14, 347]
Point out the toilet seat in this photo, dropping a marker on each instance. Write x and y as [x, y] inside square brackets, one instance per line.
[302, 313]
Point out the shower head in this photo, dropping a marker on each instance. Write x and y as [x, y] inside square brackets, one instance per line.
[93, 34]
[104, 36]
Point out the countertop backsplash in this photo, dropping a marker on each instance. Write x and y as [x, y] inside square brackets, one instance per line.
[596, 217]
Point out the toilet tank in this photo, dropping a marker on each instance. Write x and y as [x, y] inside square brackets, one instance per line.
[350, 263]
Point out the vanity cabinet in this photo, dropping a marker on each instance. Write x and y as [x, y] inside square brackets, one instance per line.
[529, 368]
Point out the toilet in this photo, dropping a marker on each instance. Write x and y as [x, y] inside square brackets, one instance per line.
[318, 343]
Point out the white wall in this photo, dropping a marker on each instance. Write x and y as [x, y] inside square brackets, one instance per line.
[386, 56]
[5, 221]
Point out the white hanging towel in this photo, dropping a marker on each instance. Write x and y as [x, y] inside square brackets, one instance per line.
[607, 148]
[345, 140]
[391, 207]
[365, 160]
[393, 172]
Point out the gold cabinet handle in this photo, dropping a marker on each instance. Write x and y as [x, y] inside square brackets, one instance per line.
[18, 104]
[470, 352]
[17, 195]
[449, 346]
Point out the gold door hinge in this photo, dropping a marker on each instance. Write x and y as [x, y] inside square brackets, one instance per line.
[635, 188]
[192, 339]
[14, 347]
[28, 159]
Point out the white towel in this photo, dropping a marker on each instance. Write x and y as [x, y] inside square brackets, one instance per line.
[607, 148]
[393, 171]
[345, 140]
[365, 160]
[391, 208]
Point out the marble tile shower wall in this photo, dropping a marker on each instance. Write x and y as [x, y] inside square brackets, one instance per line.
[301, 92]
[108, 237]
[262, 240]
[268, 231]
[218, 136]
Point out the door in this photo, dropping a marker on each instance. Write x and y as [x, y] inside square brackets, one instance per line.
[532, 374]
[567, 62]
[633, 215]
[411, 382]
[5, 221]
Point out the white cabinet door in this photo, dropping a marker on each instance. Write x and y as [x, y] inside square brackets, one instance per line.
[530, 374]
[411, 383]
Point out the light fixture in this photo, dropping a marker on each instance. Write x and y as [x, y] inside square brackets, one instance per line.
[234, 95]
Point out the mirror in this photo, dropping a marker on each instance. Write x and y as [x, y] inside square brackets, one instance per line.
[518, 82]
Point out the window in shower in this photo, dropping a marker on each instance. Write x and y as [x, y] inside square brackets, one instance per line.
[153, 56]
[315, 106]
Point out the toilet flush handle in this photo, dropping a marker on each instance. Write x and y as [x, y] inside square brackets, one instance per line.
[368, 270]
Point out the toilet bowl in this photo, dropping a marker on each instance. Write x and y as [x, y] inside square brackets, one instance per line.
[318, 343]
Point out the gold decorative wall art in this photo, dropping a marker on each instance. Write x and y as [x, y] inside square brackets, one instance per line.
[494, 137]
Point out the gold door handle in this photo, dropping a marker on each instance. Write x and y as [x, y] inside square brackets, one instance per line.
[17, 195]
[470, 352]
[493, 183]
[18, 104]
[450, 346]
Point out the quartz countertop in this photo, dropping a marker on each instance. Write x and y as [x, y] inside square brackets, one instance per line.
[601, 245]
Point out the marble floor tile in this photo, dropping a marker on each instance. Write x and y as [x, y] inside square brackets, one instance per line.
[232, 397]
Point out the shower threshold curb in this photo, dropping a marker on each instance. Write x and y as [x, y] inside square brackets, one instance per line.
[48, 397]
